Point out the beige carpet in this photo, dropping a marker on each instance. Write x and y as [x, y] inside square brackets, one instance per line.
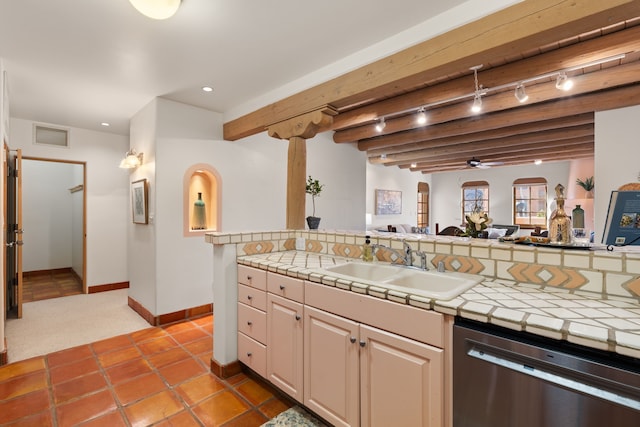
[59, 323]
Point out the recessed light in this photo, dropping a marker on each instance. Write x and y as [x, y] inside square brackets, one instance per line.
[207, 88]
[538, 162]
[105, 124]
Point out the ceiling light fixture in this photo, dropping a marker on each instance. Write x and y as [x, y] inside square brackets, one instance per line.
[131, 159]
[156, 9]
[105, 124]
[207, 88]
[563, 82]
[477, 98]
[520, 94]
[421, 118]
[414, 165]
[380, 125]
[537, 162]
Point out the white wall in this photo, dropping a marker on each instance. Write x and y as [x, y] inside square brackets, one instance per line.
[446, 193]
[616, 157]
[381, 177]
[48, 214]
[107, 194]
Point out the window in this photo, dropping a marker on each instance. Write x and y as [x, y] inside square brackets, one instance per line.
[423, 204]
[530, 202]
[475, 198]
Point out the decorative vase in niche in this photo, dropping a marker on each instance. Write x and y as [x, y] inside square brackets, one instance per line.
[560, 224]
[199, 220]
[313, 222]
[578, 217]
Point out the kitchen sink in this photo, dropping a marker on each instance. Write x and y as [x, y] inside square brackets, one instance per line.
[426, 283]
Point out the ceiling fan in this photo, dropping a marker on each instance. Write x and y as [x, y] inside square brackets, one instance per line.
[476, 163]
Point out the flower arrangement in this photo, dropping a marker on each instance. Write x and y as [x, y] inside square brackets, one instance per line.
[477, 222]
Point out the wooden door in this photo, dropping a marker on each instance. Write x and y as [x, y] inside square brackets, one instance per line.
[284, 345]
[331, 380]
[13, 232]
[402, 381]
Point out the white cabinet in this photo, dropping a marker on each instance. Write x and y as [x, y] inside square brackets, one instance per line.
[356, 375]
[353, 359]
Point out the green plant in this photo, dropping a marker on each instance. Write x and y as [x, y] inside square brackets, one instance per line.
[587, 184]
[314, 188]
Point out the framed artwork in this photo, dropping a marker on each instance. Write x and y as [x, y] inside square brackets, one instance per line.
[388, 202]
[139, 201]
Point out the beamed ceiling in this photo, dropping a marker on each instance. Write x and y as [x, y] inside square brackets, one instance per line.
[552, 125]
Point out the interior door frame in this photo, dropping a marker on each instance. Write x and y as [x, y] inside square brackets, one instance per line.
[84, 209]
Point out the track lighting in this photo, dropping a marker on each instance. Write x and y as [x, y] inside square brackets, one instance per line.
[563, 82]
[421, 119]
[414, 165]
[520, 93]
[380, 125]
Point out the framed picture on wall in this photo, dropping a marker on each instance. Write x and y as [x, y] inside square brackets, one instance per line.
[139, 201]
[388, 202]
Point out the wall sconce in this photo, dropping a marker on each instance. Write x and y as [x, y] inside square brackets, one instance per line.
[131, 159]
[156, 9]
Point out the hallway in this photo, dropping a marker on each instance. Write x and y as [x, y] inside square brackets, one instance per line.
[156, 376]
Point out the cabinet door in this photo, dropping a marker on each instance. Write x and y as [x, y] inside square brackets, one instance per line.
[331, 381]
[284, 345]
[401, 380]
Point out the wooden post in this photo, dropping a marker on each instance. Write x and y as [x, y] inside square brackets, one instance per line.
[297, 130]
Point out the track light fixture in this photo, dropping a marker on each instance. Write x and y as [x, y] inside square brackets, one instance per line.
[414, 165]
[563, 82]
[520, 93]
[421, 118]
[380, 125]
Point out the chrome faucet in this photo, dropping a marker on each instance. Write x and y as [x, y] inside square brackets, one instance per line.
[406, 255]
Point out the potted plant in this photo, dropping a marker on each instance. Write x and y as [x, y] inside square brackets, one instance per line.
[587, 184]
[314, 188]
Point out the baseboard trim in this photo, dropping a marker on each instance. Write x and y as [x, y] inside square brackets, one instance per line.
[107, 287]
[48, 272]
[225, 371]
[176, 316]
[4, 354]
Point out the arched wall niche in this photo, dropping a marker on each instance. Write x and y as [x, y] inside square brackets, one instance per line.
[205, 180]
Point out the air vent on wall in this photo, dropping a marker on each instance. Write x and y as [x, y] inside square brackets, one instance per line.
[49, 135]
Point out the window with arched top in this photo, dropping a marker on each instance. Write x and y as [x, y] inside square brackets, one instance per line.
[475, 198]
[202, 200]
[423, 204]
[530, 202]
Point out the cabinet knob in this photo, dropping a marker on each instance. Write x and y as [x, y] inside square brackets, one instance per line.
[249, 323]
[249, 354]
[362, 343]
[297, 317]
[282, 287]
[249, 297]
[353, 340]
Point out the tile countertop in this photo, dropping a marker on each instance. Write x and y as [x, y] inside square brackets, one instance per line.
[584, 318]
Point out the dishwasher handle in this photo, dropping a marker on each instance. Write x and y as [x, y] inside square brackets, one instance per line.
[555, 378]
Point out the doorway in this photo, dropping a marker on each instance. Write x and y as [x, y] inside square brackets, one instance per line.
[54, 211]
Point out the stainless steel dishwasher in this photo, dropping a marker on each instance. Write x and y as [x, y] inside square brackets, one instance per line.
[503, 378]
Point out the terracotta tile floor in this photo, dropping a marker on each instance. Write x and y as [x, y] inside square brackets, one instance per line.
[37, 286]
[157, 376]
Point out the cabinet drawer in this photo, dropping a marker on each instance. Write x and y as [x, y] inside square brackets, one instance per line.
[253, 354]
[252, 322]
[252, 277]
[286, 287]
[252, 297]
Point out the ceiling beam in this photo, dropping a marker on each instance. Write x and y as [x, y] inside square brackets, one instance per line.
[624, 41]
[521, 27]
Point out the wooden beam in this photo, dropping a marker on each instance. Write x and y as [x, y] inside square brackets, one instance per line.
[623, 41]
[607, 79]
[598, 101]
[521, 27]
[406, 151]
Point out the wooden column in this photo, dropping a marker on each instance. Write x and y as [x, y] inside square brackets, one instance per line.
[297, 130]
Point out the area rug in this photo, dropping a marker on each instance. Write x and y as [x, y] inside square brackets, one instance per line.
[294, 417]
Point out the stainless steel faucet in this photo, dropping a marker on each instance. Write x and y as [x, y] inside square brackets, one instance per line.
[406, 255]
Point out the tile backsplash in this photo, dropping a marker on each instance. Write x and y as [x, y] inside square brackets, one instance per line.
[605, 273]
